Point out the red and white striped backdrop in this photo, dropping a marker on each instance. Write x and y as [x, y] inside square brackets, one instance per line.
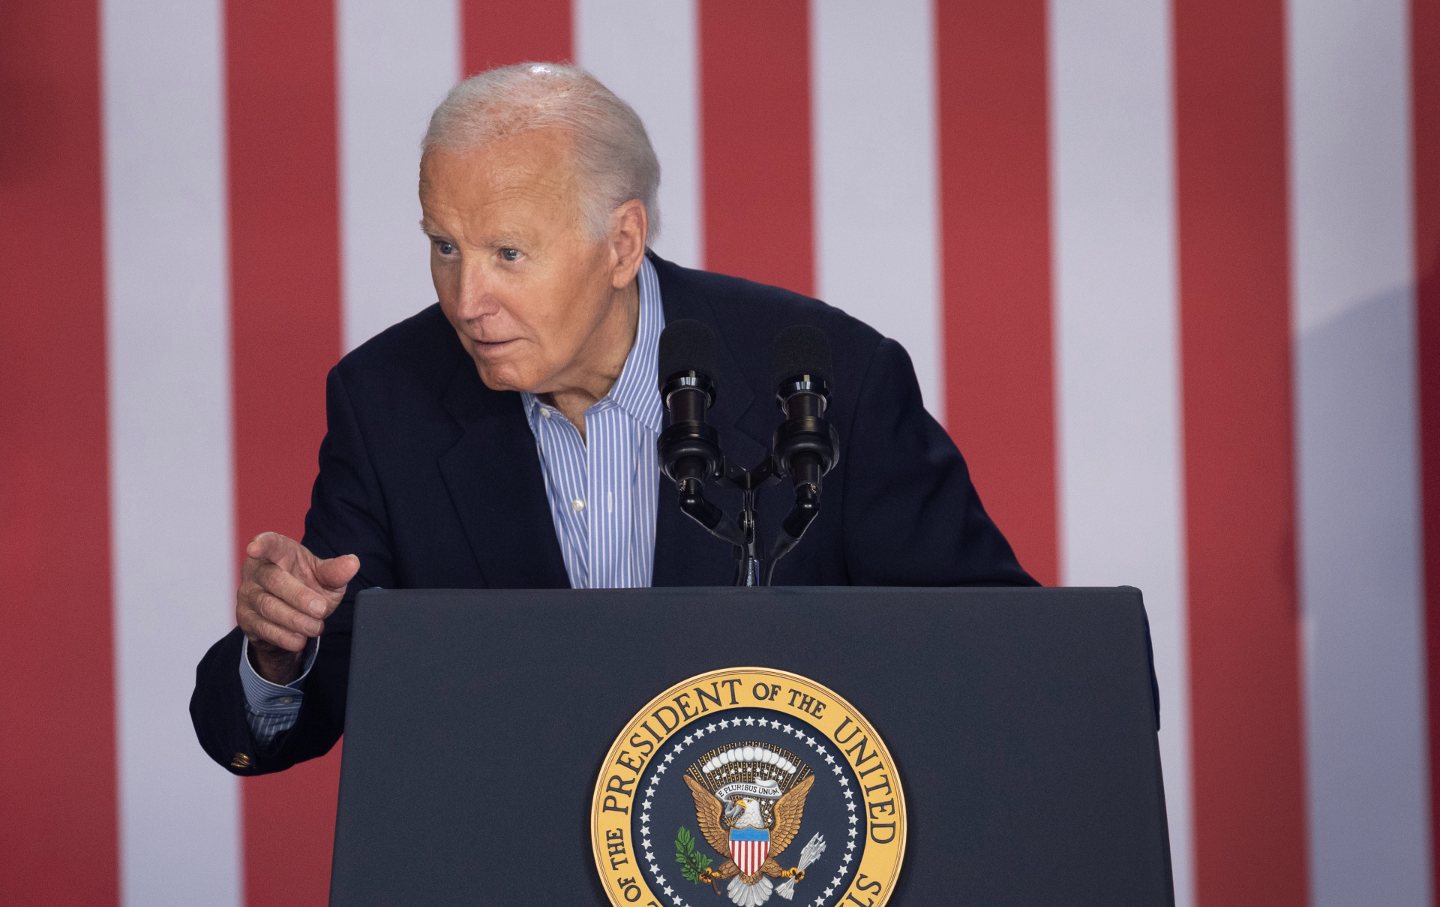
[1169, 272]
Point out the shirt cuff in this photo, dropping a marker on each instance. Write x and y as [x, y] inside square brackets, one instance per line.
[266, 698]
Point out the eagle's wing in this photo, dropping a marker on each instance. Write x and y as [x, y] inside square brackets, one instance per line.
[788, 810]
[707, 812]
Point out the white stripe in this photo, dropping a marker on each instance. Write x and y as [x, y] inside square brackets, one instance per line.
[1121, 494]
[1356, 415]
[395, 61]
[876, 188]
[170, 466]
[645, 51]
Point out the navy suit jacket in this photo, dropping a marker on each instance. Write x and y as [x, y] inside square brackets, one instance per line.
[433, 480]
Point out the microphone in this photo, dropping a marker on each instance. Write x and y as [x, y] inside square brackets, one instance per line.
[806, 445]
[689, 447]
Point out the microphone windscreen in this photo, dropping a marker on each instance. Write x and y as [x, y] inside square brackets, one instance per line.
[686, 345]
[801, 349]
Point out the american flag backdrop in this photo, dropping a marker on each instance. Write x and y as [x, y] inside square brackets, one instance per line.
[1169, 272]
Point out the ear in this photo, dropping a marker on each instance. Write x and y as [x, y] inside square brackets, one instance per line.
[629, 226]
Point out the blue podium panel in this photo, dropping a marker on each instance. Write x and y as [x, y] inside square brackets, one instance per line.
[1021, 722]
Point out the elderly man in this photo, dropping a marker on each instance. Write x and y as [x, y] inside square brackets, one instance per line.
[506, 438]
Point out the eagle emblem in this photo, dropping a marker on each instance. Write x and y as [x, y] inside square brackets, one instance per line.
[749, 801]
[770, 759]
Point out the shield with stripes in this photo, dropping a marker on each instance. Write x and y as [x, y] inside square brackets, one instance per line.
[748, 848]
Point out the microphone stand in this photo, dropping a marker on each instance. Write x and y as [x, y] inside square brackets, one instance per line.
[747, 553]
[751, 568]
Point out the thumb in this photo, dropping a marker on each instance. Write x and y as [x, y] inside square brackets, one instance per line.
[336, 572]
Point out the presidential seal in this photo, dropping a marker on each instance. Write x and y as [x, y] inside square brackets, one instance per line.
[743, 785]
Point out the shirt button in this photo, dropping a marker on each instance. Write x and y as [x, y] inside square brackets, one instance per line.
[286, 700]
[578, 505]
[545, 412]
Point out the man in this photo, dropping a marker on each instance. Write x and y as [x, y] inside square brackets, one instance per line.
[506, 437]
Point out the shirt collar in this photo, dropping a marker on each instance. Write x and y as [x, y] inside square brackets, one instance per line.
[637, 390]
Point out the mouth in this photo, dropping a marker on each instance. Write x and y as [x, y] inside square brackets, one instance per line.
[487, 347]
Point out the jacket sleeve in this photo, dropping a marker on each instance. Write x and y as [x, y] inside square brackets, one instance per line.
[911, 515]
[347, 516]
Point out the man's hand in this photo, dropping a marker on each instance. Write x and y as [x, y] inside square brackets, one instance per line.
[285, 594]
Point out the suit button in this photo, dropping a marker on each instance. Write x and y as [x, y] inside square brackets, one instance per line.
[241, 760]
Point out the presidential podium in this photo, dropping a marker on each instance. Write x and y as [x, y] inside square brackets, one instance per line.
[1021, 724]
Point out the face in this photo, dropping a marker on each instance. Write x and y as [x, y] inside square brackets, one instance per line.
[538, 302]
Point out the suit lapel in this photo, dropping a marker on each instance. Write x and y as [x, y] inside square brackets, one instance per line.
[685, 554]
[494, 479]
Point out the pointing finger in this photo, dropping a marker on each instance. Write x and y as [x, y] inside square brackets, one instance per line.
[270, 546]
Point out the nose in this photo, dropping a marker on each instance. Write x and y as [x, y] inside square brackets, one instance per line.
[474, 293]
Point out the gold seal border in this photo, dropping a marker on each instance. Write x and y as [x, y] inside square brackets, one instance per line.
[748, 674]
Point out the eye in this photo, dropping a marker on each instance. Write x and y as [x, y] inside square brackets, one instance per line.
[510, 254]
[443, 247]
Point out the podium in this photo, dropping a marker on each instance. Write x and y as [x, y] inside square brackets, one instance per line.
[1021, 722]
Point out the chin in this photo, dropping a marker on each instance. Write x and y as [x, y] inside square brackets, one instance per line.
[496, 382]
[501, 379]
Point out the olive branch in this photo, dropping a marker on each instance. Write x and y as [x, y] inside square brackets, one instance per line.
[692, 861]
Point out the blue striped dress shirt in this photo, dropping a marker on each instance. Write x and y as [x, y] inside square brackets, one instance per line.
[601, 489]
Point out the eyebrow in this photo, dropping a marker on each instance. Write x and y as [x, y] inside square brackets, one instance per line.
[505, 238]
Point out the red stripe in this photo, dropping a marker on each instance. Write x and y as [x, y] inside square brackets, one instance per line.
[58, 834]
[500, 32]
[755, 120]
[285, 319]
[749, 855]
[1425, 100]
[1248, 768]
[995, 262]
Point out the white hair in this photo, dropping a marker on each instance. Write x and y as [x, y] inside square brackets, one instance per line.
[609, 145]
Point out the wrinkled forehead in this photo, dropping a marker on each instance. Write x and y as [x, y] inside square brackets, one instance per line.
[543, 155]
[531, 166]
